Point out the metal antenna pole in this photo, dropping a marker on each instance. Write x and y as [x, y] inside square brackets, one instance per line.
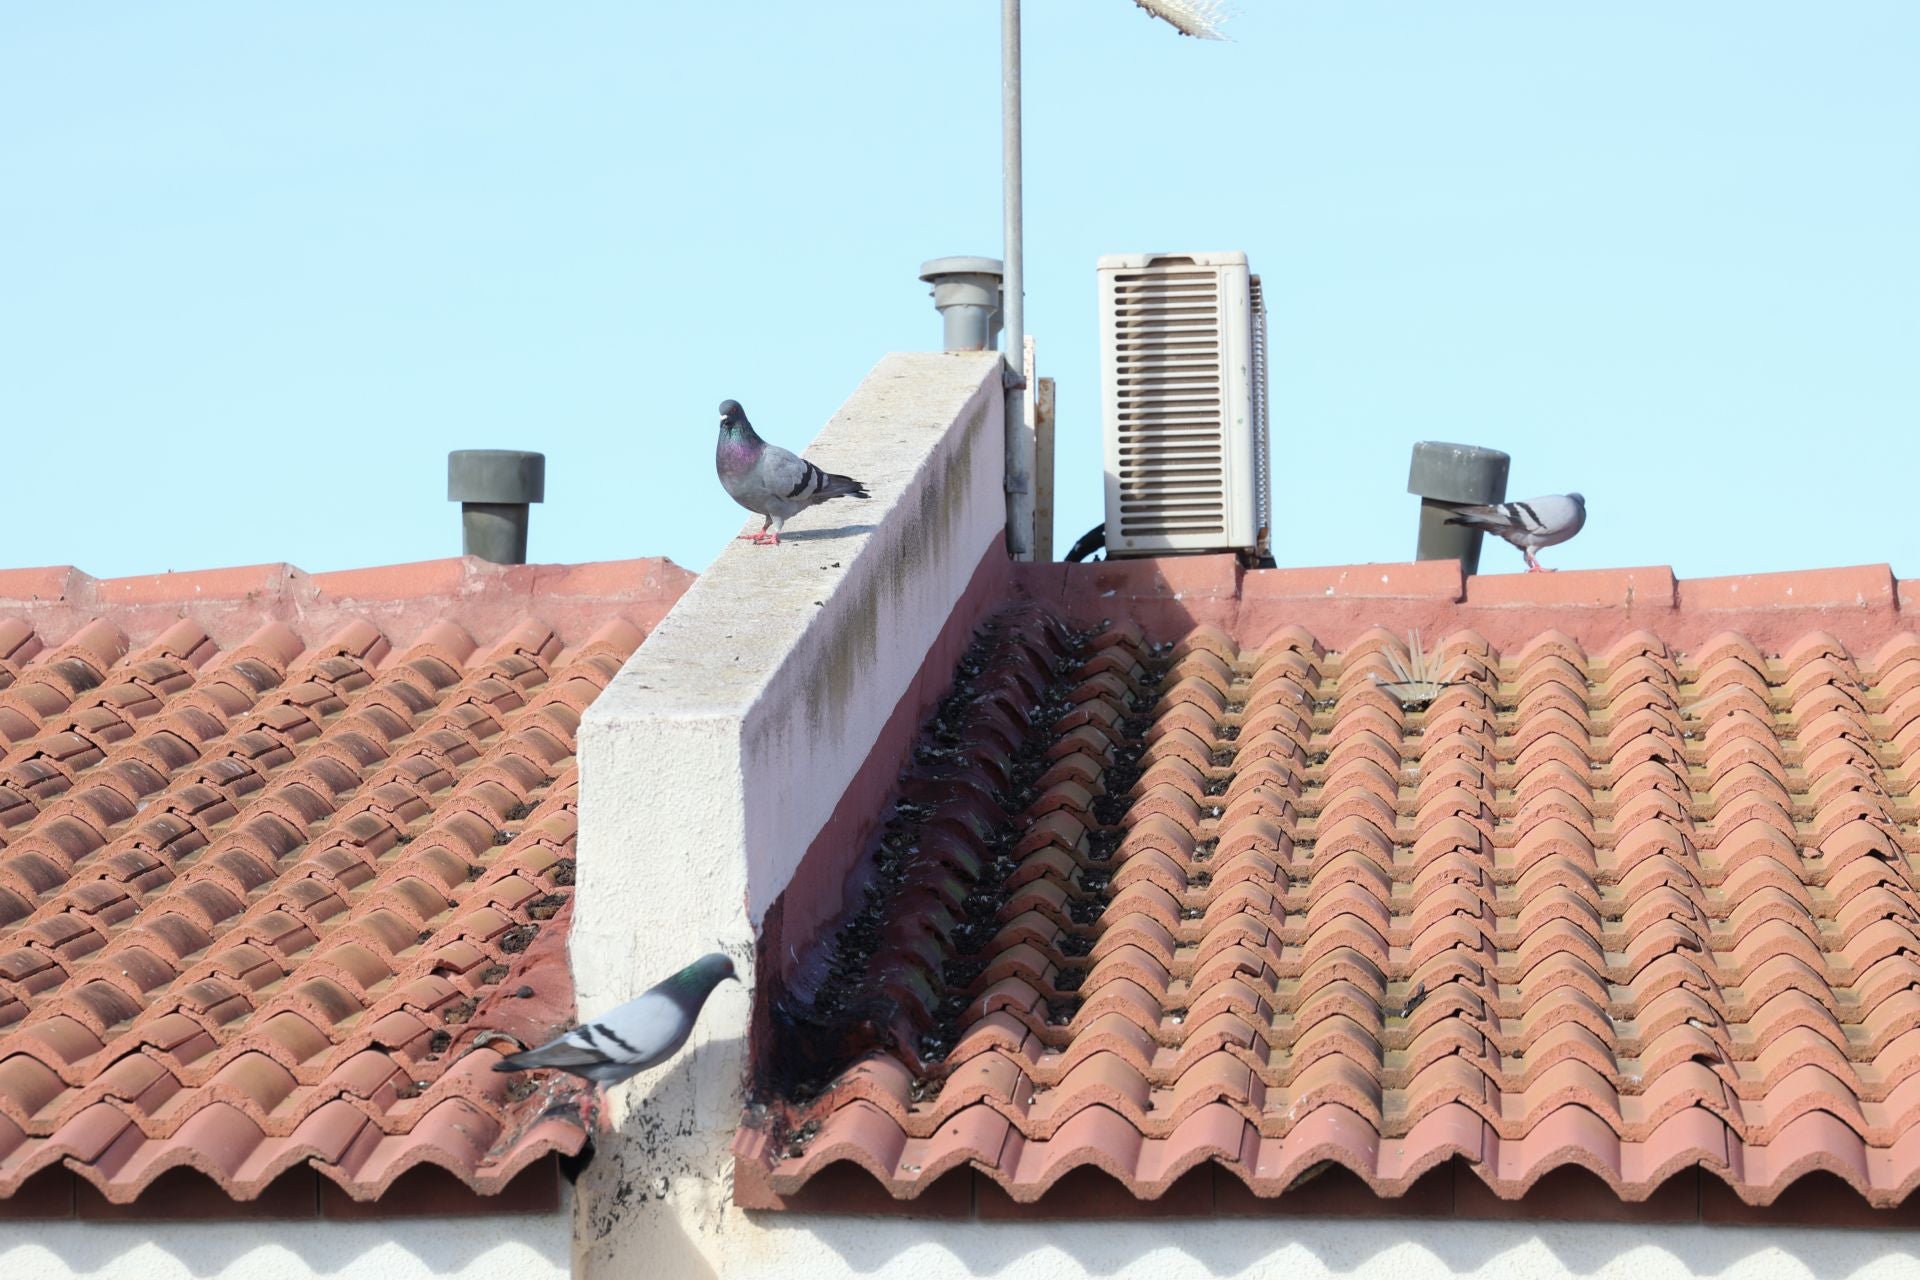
[1020, 443]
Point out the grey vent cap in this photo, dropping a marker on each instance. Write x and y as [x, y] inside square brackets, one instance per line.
[961, 266]
[967, 292]
[509, 476]
[1443, 473]
[1457, 472]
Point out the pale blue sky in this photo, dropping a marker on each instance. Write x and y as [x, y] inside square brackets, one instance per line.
[262, 265]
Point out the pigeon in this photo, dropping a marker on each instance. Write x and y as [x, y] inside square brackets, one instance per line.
[639, 1034]
[768, 480]
[1529, 525]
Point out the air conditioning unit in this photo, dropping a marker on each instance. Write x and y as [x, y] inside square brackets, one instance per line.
[1183, 381]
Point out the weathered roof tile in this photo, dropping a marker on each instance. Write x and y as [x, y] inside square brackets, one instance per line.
[253, 900]
[1629, 908]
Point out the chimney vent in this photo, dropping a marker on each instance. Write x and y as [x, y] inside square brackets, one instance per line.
[1444, 472]
[494, 488]
[967, 293]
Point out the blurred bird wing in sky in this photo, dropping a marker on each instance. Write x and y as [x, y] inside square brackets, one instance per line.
[1198, 18]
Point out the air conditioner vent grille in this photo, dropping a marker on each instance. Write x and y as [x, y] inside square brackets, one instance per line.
[1262, 445]
[1167, 359]
[1176, 347]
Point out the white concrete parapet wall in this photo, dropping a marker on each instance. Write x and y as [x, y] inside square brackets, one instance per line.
[720, 750]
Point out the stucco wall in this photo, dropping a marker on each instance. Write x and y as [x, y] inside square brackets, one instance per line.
[721, 749]
[820, 1248]
[521, 1246]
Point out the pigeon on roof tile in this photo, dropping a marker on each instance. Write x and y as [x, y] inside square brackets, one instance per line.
[639, 1034]
[769, 480]
[1529, 525]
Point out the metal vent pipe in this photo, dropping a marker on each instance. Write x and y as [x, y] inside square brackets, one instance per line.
[967, 293]
[494, 488]
[1444, 472]
[1020, 437]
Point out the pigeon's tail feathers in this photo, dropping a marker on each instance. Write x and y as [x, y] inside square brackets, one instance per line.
[832, 486]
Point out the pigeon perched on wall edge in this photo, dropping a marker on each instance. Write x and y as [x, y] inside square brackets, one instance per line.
[768, 480]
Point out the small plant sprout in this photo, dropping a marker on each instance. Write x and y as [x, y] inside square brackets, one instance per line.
[1200, 19]
[1417, 686]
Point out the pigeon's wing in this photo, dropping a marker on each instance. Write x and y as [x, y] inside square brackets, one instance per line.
[570, 1051]
[1501, 518]
[1553, 515]
[1515, 519]
[783, 474]
[654, 1025]
[633, 1037]
[791, 479]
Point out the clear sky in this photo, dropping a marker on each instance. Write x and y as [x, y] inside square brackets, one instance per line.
[262, 265]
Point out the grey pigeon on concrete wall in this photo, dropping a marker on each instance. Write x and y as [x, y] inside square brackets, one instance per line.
[639, 1034]
[1529, 525]
[768, 480]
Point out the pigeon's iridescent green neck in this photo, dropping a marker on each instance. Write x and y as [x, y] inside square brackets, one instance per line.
[739, 437]
[702, 975]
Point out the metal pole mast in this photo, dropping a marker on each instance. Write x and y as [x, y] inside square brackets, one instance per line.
[1020, 443]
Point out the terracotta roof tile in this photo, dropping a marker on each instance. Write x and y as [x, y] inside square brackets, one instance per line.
[257, 901]
[1633, 907]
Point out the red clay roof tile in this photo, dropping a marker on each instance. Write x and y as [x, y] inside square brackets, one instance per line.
[1606, 902]
[257, 902]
